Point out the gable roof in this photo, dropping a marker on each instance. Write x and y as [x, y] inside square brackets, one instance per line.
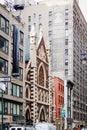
[41, 49]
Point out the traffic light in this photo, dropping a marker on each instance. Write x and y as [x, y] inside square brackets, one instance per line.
[63, 112]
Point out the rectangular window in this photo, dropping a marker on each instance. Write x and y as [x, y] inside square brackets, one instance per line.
[66, 23]
[20, 73]
[50, 13]
[40, 26]
[66, 71]
[66, 41]
[66, 11]
[21, 55]
[21, 92]
[34, 25]
[50, 23]
[66, 32]
[11, 108]
[29, 18]
[17, 91]
[18, 110]
[14, 90]
[4, 45]
[14, 109]
[29, 28]
[21, 37]
[66, 62]
[40, 16]
[4, 24]
[66, 51]
[3, 66]
[50, 33]
[6, 108]
[34, 15]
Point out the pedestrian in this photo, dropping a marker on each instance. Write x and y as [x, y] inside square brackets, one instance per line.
[78, 128]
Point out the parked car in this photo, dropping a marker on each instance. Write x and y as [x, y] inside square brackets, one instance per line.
[22, 128]
[45, 126]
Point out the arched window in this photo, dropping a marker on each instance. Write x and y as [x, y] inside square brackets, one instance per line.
[41, 76]
[26, 93]
[42, 115]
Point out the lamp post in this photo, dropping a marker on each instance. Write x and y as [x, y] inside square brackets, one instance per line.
[2, 109]
[2, 87]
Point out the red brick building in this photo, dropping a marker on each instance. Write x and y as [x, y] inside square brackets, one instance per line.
[59, 99]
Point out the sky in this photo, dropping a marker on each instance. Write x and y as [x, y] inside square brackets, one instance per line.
[83, 6]
[82, 3]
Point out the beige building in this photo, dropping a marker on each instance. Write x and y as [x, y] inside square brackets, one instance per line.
[13, 97]
[65, 28]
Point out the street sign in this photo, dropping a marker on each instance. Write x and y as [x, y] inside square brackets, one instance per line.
[63, 112]
[5, 79]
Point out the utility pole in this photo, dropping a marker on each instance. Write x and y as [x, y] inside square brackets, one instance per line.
[2, 109]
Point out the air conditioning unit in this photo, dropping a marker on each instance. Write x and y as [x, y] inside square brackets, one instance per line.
[19, 4]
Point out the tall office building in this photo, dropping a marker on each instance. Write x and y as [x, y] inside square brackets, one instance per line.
[65, 28]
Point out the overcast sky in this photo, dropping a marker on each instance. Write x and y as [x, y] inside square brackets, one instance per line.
[83, 6]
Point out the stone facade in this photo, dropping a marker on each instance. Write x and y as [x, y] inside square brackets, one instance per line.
[38, 90]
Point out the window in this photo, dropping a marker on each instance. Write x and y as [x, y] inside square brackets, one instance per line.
[50, 13]
[66, 71]
[40, 26]
[34, 15]
[66, 32]
[66, 41]
[29, 18]
[20, 73]
[17, 90]
[29, 28]
[16, 109]
[66, 23]
[6, 108]
[50, 23]
[66, 62]
[4, 45]
[41, 76]
[21, 55]
[50, 33]
[4, 24]
[66, 51]
[3, 66]
[40, 16]
[21, 37]
[66, 11]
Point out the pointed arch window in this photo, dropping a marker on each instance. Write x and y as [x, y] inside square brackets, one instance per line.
[41, 76]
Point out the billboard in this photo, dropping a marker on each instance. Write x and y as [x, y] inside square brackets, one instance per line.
[16, 38]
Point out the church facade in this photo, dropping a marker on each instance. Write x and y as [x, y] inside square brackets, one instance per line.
[39, 93]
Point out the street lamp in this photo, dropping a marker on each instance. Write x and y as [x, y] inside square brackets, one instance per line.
[2, 87]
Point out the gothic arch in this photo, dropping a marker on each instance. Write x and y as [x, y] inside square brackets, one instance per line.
[42, 114]
[27, 91]
[27, 113]
[42, 75]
